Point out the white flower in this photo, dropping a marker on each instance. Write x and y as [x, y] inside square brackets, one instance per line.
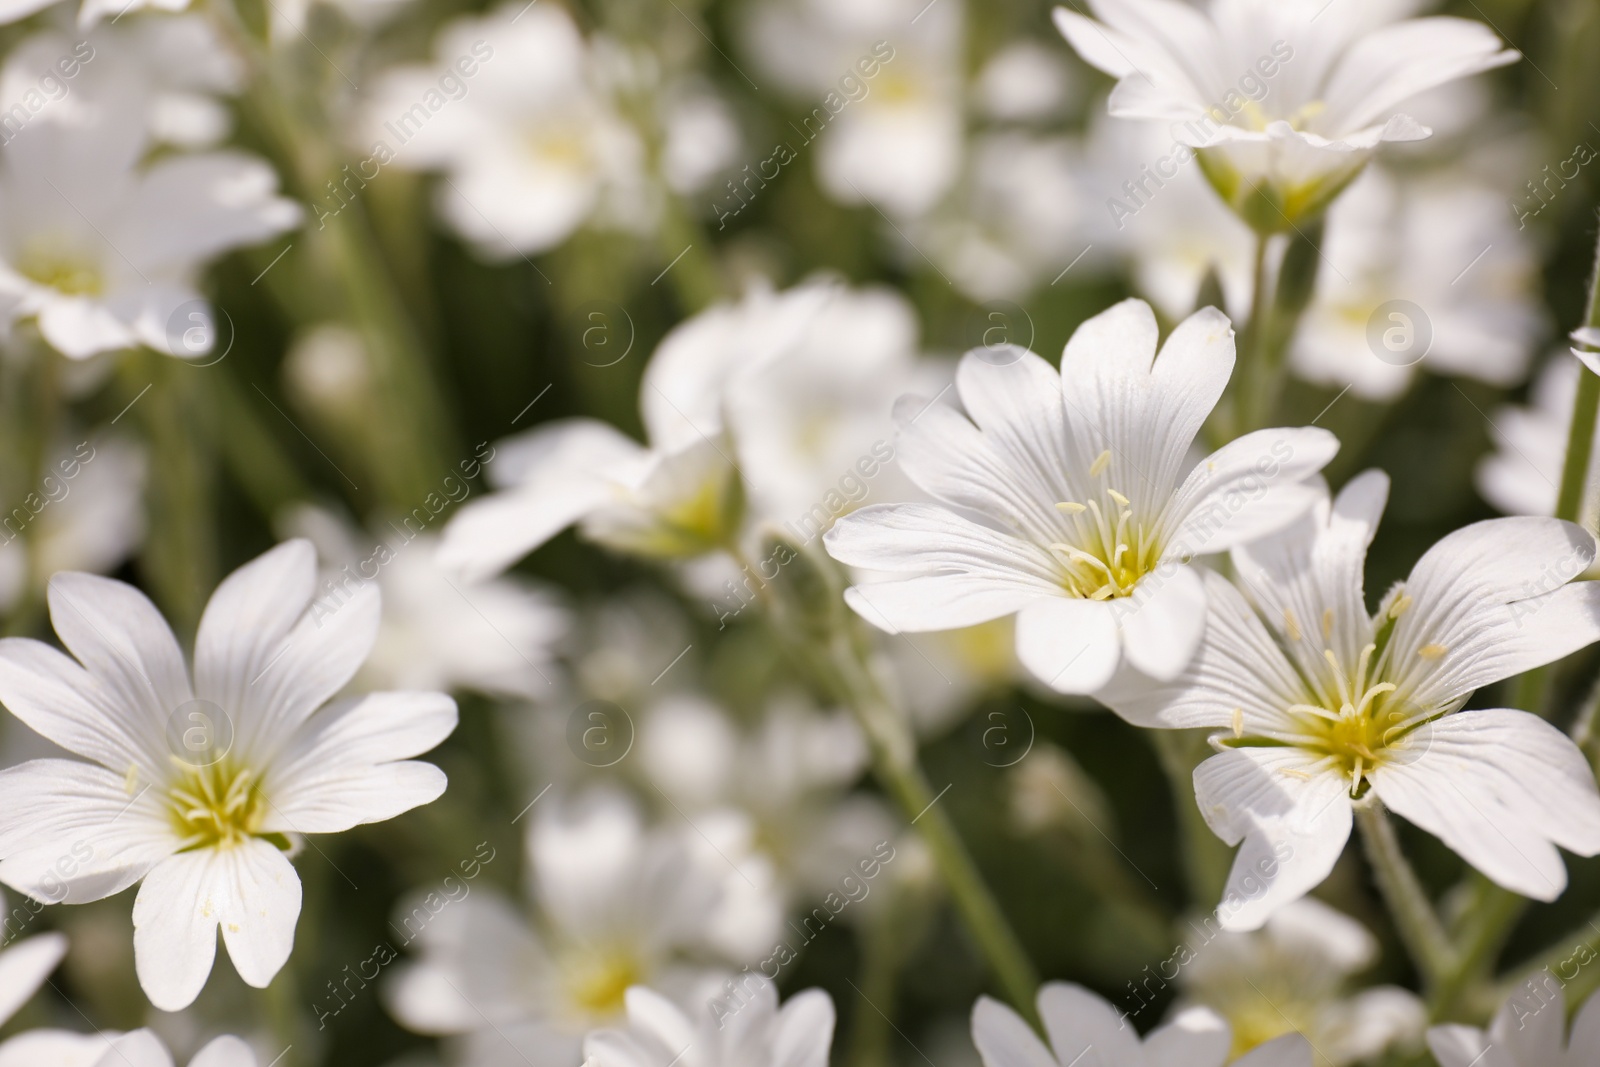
[617, 904]
[1285, 100]
[1527, 1031]
[1291, 976]
[495, 636]
[530, 145]
[1448, 247]
[1328, 706]
[139, 1048]
[782, 388]
[1086, 1031]
[103, 249]
[1522, 475]
[198, 789]
[1064, 501]
[750, 1031]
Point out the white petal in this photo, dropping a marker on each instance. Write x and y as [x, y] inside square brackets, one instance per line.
[1290, 1050]
[1501, 788]
[1248, 488]
[266, 660]
[140, 1048]
[804, 1031]
[56, 1048]
[1098, 45]
[1072, 646]
[1163, 621]
[1394, 63]
[62, 701]
[250, 890]
[1080, 1022]
[1197, 1037]
[72, 832]
[342, 768]
[1584, 1044]
[24, 967]
[1462, 1046]
[120, 637]
[1292, 815]
[225, 1051]
[1004, 1040]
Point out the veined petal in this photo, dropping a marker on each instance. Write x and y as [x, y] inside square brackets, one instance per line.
[60, 700]
[1070, 645]
[1237, 666]
[1250, 487]
[1394, 63]
[1292, 813]
[1163, 620]
[73, 832]
[1004, 1040]
[250, 889]
[122, 640]
[1502, 788]
[1489, 601]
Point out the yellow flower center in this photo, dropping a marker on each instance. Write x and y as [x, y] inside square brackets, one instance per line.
[216, 806]
[51, 263]
[1107, 550]
[595, 981]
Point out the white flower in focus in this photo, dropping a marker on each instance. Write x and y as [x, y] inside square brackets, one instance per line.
[1084, 1029]
[618, 904]
[494, 636]
[530, 147]
[1291, 975]
[199, 789]
[1450, 248]
[751, 1031]
[1327, 706]
[1523, 474]
[1064, 499]
[103, 250]
[1527, 1031]
[1285, 100]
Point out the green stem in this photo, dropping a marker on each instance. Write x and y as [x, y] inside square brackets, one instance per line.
[1205, 858]
[1580, 435]
[1251, 369]
[1414, 918]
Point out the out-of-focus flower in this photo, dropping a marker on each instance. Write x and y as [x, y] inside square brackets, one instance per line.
[1284, 100]
[1290, 977]
[1061, 500]
[139, 1048]
[1077, 1021]
[1527, 1031]
[1023, 82]
[753, 1033]
[886, 83]
[618, 905]
[1451, 249]
[1522, 475]
[86, 515]
[1329, 706]
[199, 790]
[24, 966]
[530, 147]
[103, 249]
[494, 636]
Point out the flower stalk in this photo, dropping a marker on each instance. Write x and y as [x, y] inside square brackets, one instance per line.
[1414, 918]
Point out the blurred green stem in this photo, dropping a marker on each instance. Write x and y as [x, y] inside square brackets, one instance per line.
[1277, 301]
[1580, 435]
[1205, 857]
[1414, 918]
[1250, 369]
[1485, 924]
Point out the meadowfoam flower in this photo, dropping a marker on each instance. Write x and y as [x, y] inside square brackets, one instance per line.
[1087, 1031]
[1326, 706]
[200, 789]
[749, 1031]
[1284, 101]
[619, 904]
[102, 249]
[1527, 1031]
[1292, 975]
[1064, 499]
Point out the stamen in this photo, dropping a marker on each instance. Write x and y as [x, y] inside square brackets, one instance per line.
[1327, 624]
[1401, 603]
[1238, 722]
[1291, 625]
[1121, 500]
[1432, 651]
[1071, 507]
[1101, 462]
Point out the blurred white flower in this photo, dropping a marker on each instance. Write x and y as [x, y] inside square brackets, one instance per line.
[530, 147]
[701, 137]
[1023, 82]
[886, 83]
[1290, 977]
[1078, 1022]
[1523, 474]
[494, 636]
[1062, 500]
[1285, 100]
[138, 1048]
[199, 790]
[1330, 707]
[757, 1033]
[1450, 248]
[618, 904]
[1526, 1032]
[89, 517]
[102, 249]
